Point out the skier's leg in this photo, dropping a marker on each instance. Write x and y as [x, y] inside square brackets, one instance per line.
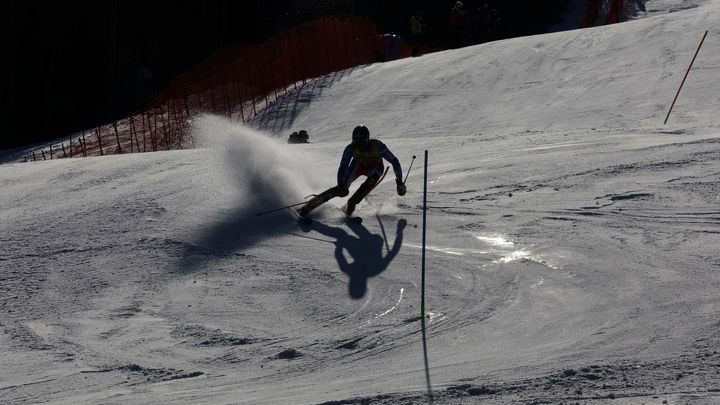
[361, 192]
[321, 199]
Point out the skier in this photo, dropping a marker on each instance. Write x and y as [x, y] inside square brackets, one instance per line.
[363, 157]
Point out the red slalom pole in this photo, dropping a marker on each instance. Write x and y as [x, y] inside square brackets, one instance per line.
[684, 78]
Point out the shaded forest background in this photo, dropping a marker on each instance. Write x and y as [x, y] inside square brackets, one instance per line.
[75, 65]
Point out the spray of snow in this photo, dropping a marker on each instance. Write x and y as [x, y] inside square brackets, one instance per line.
[265, 172]
[259, 173]
[388, 206]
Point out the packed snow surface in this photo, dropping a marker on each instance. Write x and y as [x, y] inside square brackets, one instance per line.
[572, 251]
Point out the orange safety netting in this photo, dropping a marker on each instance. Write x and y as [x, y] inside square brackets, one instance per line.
[600, 12]
[236, 82]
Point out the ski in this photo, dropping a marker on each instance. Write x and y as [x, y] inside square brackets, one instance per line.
[304, 221]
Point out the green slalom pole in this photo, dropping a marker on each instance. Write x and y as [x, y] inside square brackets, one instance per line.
[422, 295]
[422, 288]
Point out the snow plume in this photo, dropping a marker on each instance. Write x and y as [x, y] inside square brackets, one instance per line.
[261, 171]
[266, 172]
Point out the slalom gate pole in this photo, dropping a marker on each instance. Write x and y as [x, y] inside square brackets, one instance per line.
[684, 78]
[422, 288]
[281, 208]
[409, 168]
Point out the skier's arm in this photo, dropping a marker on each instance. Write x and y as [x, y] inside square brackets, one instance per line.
[387, 155]
[344, 165]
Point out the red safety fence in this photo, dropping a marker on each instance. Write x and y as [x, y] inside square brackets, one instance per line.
[601, 12]
[237, 82]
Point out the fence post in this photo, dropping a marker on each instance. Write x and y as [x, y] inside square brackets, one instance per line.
[51, 152]
[281, 61]
[186, 96]
[43, 153]
[265, 82]
[303, 71]
[132, 134]
[226, 96]
[33, 155]
[212, 93]
[338, 44]
[154, 132]
[152, 136]
[337, 62]
[322, 51]
[293, 71]
[83, 145]
[616, 8]
[143, 132]
[174, 135]
[117, 136]
[177, 113]
[239, 90]
[592, 11]
[63, 148]
[229, 91]
[275, 82]
[249, 81]
[199, 100]
[137, 142]
[165, 130]
[97, 133]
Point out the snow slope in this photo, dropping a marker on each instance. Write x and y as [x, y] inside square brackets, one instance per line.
[572, 240]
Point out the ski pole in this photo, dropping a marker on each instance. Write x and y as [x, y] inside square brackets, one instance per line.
[409, 168]
[281, 208]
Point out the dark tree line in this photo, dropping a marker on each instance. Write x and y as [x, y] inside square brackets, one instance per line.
[69, 66]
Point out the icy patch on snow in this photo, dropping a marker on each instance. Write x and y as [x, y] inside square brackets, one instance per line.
[503, 247]
[514, 256]
[435, 316]
[499, 250]
[495, 240]
[506, 251]
[441, 249]
[394, 307]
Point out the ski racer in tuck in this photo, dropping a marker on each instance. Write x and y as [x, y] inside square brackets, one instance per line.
[363, 157]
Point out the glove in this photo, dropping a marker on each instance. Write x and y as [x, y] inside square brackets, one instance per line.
[342, 191]
[401, 189]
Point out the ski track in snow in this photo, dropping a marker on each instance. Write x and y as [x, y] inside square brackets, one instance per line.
[572, 245]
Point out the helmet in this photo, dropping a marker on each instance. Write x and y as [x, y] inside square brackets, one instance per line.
[360, 134]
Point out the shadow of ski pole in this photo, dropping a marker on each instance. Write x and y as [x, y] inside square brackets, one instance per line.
[427, 365]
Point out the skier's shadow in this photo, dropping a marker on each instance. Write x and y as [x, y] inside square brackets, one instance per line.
[365, 250]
